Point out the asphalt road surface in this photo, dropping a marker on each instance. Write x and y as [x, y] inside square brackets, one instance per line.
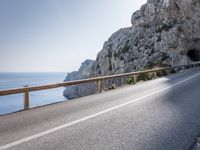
[161, 114]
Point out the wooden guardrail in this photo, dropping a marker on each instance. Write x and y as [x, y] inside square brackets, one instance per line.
[100, 82]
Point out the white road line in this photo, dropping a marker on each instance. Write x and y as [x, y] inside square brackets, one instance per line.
[35, 136]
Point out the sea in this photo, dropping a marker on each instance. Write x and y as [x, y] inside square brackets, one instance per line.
[13, 103]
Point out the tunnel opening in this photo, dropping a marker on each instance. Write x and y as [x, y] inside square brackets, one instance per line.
[194, 54]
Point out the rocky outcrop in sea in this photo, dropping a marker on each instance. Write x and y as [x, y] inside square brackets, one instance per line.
[160, 30]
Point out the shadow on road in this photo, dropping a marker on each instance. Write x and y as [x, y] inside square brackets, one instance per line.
[179, 111]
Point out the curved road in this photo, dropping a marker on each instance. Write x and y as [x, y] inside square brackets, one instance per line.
[161, 114]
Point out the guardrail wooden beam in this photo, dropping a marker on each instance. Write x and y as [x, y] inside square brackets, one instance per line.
[100, 82]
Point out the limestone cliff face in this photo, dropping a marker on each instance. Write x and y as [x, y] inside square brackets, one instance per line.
[81, 90]
[160, 29]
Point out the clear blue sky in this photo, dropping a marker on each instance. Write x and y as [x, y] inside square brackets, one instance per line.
[57, 35]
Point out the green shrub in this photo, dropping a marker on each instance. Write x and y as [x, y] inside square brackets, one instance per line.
[143, 76]
[162, 73]
[130, 80]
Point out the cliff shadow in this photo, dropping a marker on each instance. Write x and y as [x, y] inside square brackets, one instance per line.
[178, 109]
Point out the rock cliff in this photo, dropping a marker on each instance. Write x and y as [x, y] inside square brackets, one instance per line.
[160, 30]
[84, 89]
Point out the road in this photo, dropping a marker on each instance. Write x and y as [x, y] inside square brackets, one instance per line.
[161, 114]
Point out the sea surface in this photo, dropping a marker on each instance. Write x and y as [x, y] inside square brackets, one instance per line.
[12, 103]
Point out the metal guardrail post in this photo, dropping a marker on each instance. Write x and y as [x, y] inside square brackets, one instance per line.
[26, 98]
[100, 84]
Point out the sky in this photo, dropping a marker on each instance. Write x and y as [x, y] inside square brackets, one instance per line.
[57, 35]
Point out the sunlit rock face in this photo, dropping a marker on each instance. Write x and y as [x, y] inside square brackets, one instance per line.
[160, 29]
